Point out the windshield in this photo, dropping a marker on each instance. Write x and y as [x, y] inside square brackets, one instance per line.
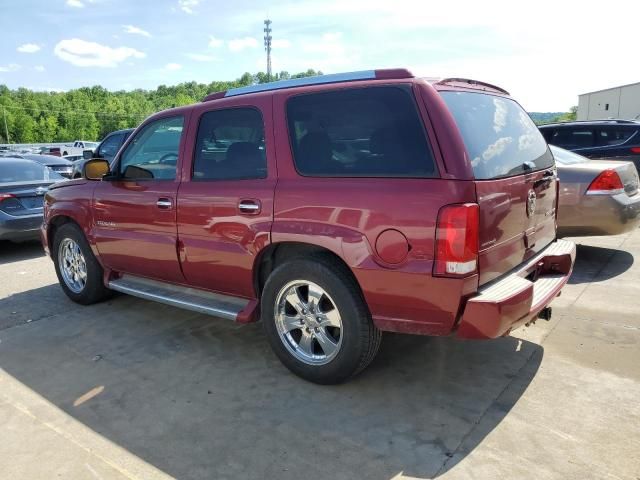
[25, 171]
[566, 157]
[500, 137]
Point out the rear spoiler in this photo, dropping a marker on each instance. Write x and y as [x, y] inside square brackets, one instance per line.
[465, 82]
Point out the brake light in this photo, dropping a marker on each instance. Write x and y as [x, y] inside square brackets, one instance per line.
[6, 196]
[635, 150]
[607, 183]
[457, 240]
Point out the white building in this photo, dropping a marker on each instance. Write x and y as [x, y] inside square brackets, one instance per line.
[618, 102]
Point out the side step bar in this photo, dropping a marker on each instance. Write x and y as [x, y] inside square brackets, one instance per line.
[187, 298]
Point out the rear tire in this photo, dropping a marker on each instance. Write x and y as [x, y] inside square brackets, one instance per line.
[78, 270]
[328, 336]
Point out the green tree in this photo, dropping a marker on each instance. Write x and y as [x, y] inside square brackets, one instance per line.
[89, 113]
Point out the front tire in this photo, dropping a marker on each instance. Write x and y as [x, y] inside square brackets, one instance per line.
[78, 270]
[316, 320]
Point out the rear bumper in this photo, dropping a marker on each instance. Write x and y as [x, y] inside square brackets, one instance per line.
[518, 297]
[19, 228]
[600, 215]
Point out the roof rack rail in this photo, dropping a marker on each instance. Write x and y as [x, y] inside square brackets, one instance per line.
[397, 73]
[486, 85]
[598, 120]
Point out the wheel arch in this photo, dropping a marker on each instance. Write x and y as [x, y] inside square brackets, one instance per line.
[54, 225]
[277, 253]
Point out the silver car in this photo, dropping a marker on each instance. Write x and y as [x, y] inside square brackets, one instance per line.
[596, 197]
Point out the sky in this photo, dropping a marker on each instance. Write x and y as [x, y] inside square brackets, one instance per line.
[544, 52]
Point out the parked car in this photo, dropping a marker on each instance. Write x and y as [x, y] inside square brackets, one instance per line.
[55, 151]
[73, 158]
[23, 184]
[597, 197]
[59, 165]
[333, 207]
[107, 149]
[603, 139]
[78, 147]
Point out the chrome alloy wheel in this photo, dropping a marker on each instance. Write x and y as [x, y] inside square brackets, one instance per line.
[72, 264]
[308, 322]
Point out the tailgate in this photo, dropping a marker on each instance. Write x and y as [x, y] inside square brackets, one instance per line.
[515, 178]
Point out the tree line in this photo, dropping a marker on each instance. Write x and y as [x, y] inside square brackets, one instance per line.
[89, 113]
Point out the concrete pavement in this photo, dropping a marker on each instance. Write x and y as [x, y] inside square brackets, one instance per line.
[132, 389]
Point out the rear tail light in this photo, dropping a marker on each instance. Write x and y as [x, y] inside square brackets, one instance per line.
[457, 240]
[6, 196]
[607, 183]
[635, 150]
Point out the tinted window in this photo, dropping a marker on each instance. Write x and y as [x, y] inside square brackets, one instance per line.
[573, 138]
[614, 135]
[25, 171]
[110, 146]
[364, 132]
[230, 145]
[500, 137]
[153, 153]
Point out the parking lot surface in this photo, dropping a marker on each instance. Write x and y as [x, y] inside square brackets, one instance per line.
[131, 389]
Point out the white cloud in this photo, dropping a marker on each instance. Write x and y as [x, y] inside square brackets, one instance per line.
[199, 57]
[330, 54]
[187, 6]
[75, 3]
[280, 43]
[28, 48]
[135, 30]
[90, 54]
[215, 42]
[39, 68]
[172, 66]
[239, 44]
[12, 67]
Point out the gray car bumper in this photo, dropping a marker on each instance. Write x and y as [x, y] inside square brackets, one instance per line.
[20, 228]
[601, 215]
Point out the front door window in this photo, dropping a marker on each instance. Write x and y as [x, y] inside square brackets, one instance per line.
[153, 153]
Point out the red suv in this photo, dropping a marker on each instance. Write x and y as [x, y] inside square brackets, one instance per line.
[333, 208]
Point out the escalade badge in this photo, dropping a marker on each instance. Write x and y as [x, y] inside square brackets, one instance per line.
[531, 203]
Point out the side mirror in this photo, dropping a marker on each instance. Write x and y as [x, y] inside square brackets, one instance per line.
[95, 169]
[87, 154]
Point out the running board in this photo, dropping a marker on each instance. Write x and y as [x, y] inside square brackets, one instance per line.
[215, 304]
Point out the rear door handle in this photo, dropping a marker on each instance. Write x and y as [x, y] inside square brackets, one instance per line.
[249, 207]
[164, 203]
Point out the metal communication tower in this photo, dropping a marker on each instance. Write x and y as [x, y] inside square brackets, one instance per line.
[267, 46]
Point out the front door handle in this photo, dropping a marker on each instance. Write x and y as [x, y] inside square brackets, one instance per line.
[164, 203]
[249, 207]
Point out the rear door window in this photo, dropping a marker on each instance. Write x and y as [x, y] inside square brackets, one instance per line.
[500, 137]
[611, 136]
[572, 138]
[359, 132]
[230, 146]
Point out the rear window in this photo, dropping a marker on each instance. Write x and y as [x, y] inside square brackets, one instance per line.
[359, 132]
[566, 157]
[500, 137]
[25, 171]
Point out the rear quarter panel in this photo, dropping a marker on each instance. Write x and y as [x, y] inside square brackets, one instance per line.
[347, 216]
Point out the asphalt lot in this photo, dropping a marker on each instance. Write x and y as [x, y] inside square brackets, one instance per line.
[132, 389]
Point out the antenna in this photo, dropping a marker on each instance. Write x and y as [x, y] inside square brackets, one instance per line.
[267, 46]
